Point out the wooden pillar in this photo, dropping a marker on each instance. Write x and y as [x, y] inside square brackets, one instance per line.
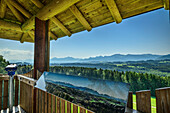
[41, 52]
[41, 48]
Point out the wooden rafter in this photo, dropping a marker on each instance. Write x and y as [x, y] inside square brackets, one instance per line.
[20, 8]
[37, 3]
[166, 4]
[23, 37]
[53, 8]
[10, 25]
[61, 26]
[54, 19]
[31, 34]
[80, 17]
[2, 9]
[114, 10]
[15, 12]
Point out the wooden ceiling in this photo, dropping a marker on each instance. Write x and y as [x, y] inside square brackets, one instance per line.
[67, 17]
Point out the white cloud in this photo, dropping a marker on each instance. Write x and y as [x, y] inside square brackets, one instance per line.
[11, 54]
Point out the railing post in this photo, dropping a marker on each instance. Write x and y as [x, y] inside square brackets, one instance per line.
[163, 100]
[143, 101]
[130, 100]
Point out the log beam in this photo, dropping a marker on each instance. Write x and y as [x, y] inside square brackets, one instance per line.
[15, 12]
[61, 26]
[2, 8]
[20, 8]
[80, 17]
[23, 37]
[114, 10]
[166, 4]
[31, 34]
[53, 19]
[37, 3]
[10, 26]
[53, 8]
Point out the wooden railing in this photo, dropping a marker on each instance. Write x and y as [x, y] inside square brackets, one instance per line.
[4, 90]
[45, 102]
[143, 100]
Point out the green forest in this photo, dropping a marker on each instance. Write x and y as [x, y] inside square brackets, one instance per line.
[137, 81]
[3, 64]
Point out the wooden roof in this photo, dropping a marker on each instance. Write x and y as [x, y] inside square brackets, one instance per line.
[67, 17]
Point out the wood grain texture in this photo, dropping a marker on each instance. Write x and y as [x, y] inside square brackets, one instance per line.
[62, 105]
[80, 17]
[163, 100]
[54, 7]
[130, 100]
[15, 12]
[2, 8]
[42, 39]
[68, 107]
[58, 105]
[75, 108]
[16, 90]
[143, 101]
[114, 10]
[20, 8]
[46, 102]
[53, 104]
[49, 103]
[53, 19]
[5, 101]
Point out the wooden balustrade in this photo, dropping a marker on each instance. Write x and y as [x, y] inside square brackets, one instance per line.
[4, 90]
[46, 102]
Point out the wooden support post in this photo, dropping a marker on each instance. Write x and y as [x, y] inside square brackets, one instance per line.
[143, 101]
[130, 100]
[42, 44]
[163, 100]
[41, 51]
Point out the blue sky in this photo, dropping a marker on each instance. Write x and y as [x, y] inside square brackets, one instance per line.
[143, 34]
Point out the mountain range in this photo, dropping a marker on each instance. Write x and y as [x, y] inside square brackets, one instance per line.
[111, 58]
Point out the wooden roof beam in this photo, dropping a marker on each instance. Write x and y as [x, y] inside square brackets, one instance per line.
[50, 10]
[2, 8]
[114, 10]
[31, 34]
[15, 12]
[23, 37]
[80, 17]
[166, 4]
[20, 8]
[53, 19]
[37, 3]
[61, 26]
[10, 26]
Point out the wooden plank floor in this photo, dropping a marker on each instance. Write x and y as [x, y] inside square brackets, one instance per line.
[16, 109]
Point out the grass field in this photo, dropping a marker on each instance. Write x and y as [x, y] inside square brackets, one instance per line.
[153, 103]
